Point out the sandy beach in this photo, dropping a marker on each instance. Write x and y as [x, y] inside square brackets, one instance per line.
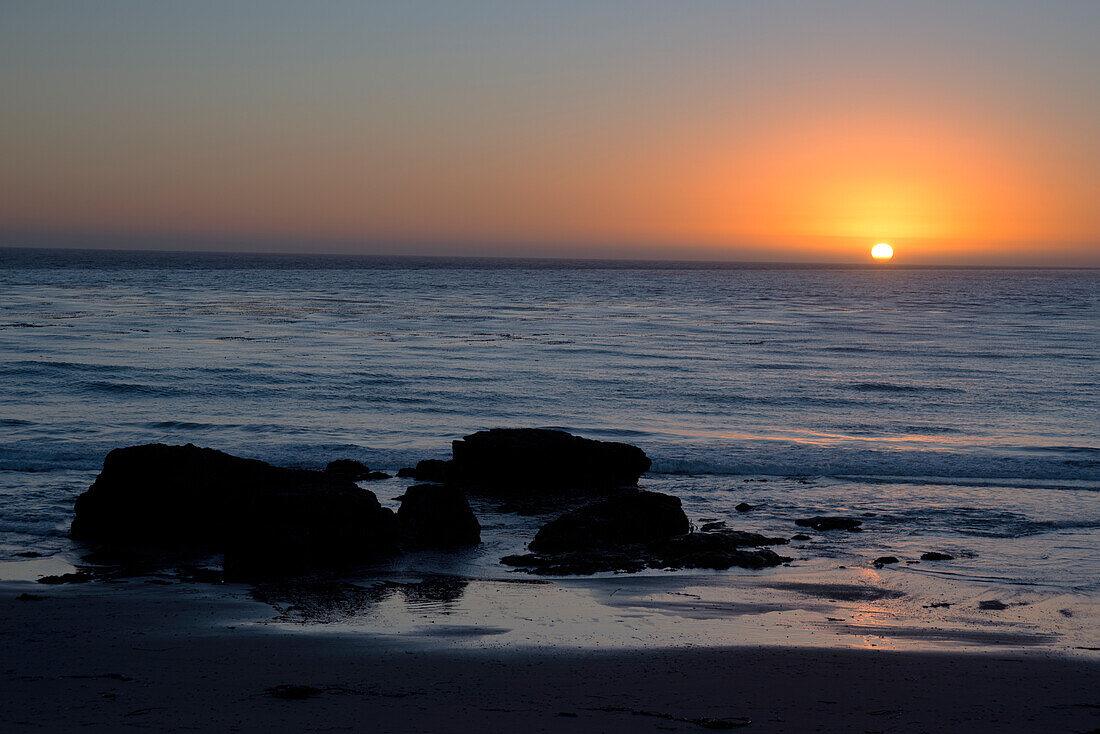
[179, 657]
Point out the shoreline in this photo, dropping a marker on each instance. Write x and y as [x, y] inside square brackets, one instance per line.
[187, 657]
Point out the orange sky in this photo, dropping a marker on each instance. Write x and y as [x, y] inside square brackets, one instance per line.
[727, 131]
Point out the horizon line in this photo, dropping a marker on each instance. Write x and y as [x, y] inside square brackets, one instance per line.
[607, 262]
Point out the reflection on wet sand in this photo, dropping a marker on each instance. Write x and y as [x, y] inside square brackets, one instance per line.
[329, 601]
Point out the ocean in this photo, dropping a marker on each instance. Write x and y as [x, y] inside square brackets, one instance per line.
[952, 409]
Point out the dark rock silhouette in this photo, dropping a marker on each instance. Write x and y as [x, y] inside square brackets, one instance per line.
[800, 536]
[636, 530]
[266, 519]
[884, 560]
[719, 550]
[830, 523]
[694, 550]
[348, 469]
[580, 563]
[438, 516]
[515, 462]
[77, 577]
[294, 691]
[744, 507]
[428, 470]
[631, 518]
[934, 556]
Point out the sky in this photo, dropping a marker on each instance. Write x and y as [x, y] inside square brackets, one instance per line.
[961, 132]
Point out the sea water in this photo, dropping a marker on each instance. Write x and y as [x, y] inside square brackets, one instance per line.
[952, 410]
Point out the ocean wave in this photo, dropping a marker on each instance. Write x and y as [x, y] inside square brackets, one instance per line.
[892, 387]
[132, 388]
[983, 522]
[910, 466]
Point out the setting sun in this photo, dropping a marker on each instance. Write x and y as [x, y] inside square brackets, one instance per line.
[882, 251]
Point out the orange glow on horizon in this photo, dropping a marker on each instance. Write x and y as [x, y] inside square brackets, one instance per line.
[814, 189]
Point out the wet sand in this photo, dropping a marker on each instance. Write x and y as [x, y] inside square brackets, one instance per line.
[109, 657]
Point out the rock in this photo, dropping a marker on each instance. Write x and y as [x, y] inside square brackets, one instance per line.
[637, 530]
[348, 469]
[742, 538]
[437, 515]
[884, 560]
[636, 517]
[830, 523]
[934, 556]
[265, 519]
[509, 461]
[696, 550]
[79, 577]
[578, 563]
[428, 470]
[744, 507]
[374, 476]
[801, 536]
[708, 526]
[716, 550]
[293, 692]
[992, 604]
[29, 554]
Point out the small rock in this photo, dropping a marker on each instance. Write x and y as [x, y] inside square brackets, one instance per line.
[883, 560]
[718, 525]
[374, 476]
[744, 507]
[348, 469]
[624, 519]
[427, 470]
[29, 554]
[716, 550]
[529, 461]
[934, 556]
[438, 516]
[577, 563]
[79, 577]
[293, 692]
[830, 523]
[992, 604]
[800, 536]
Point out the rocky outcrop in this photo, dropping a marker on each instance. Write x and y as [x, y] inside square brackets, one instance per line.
[830, 523]
[635, 530]
[510, 460]
[720, 550]
[631, 518]
[265, 519]
[348, 469]
[434, 515]
[517, 462]
[934, 556]
[428, 470]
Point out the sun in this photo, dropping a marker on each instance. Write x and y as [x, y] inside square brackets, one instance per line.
[882, 251]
